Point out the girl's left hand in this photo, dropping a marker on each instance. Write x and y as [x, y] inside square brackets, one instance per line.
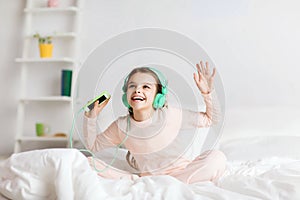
[203, 79]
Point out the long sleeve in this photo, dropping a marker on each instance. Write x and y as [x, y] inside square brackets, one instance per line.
[204, 119]
[99, 141]
[213, 109]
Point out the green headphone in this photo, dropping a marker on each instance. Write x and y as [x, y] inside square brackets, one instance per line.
[160, 98]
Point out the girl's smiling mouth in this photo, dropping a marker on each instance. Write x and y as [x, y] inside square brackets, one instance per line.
[138, 98]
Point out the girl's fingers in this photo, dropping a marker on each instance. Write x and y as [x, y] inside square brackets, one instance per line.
[202, 67]
[196, 77]
[213, 73]
[204, 71]
[207, 68]
[104, 103]
[198, 69]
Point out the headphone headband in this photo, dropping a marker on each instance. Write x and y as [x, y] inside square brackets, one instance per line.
[160, 76]
[163, 81]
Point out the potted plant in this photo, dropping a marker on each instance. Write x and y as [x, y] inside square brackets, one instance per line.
[45, 45]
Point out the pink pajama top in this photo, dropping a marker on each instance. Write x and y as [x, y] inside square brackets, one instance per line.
[159, 143]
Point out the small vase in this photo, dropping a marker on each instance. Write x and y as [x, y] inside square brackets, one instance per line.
[52, 3]
[46, 50]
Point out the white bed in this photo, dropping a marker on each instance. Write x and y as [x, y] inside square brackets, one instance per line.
[258, 168]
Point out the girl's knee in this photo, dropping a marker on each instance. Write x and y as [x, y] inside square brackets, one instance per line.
[218, 155]
[212, 166]
[219, 161]
[213, 155]
[218, 158]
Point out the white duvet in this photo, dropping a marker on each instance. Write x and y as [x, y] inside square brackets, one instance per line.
[258, 168]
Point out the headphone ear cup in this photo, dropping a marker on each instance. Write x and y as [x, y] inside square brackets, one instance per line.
[164, 90]
[124, 100]
[159, 101]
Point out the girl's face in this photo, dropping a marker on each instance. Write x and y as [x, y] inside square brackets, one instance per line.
[141, 91]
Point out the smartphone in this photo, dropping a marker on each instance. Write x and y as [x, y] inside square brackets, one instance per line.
[100, 98]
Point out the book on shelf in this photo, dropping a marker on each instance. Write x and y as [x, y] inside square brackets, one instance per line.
[66, 82]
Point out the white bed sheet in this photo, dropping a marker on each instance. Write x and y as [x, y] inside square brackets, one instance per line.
[258, 168]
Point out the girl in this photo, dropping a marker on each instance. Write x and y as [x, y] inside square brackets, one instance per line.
[151, 130]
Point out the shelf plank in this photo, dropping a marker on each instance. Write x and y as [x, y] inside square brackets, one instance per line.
[46, 10]
[58, 35]
[43, 139]
[48, 60]
[47, 99]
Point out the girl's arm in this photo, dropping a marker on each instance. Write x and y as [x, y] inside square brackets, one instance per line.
[205, 83]
[98, 141]
[213, 110]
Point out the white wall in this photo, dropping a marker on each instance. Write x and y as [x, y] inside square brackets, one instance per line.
[254, 44]
[11, 44]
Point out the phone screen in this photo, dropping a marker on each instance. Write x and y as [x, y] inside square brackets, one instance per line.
[100, 100]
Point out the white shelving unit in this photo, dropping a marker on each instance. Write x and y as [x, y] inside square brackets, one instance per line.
[40, 90]
[46, 60]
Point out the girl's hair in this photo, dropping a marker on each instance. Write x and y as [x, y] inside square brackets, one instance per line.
[131, 160]
[145, 70]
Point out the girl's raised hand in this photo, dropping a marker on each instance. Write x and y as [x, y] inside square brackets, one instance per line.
[203, 79]
[97, 109]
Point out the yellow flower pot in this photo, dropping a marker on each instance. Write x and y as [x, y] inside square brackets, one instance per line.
[46, 50]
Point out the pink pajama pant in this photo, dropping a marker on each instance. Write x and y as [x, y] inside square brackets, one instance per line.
[209, 166]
